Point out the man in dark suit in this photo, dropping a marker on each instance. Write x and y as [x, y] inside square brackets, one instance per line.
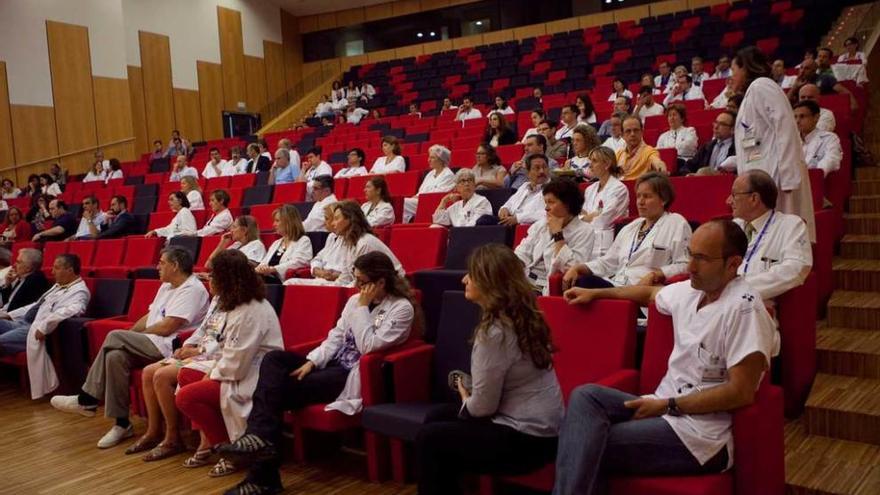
[118, 222]
[257, 162]
[718, 155]
[25, 283]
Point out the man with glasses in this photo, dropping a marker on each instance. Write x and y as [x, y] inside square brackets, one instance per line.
[779, 255]
[637, 157]
[322, 189]
[92, 217]
[535, 144]
[719, 154]
[63, 223]
[724, 340]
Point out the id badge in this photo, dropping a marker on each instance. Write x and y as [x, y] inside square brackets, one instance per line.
[714, 374]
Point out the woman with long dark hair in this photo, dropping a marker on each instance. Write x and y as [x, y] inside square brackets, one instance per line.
[510, 416]
[378, 317]
[377, 208]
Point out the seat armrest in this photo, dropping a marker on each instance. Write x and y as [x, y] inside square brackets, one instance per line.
[411, 373]
[373, 389]
[304, 347]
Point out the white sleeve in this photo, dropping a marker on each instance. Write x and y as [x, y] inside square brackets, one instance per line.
[679, 256]
[384, 215]
[607, 264]
[322, 354]
[526, 249]
[299, 255]
[392, 329]
[751, 330]
[789, 272]
[688, 146]
[441, 216]
[830, 162]
[574, 252]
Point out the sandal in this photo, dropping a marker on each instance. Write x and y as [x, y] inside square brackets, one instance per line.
[200, 458]
[222, 468]
[163, 452]
[143, 444]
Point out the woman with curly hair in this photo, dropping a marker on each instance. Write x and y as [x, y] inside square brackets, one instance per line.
[512, 409]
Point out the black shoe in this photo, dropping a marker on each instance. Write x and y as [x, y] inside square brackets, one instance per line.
[250, 488]
[249, 445]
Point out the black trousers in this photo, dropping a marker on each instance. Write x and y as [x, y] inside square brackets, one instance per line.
[593, 282]
[277, 392]
[447, 450]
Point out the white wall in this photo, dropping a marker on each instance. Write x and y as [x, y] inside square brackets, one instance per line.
[113, 26]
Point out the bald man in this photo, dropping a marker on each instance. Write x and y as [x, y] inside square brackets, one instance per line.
[810, 92]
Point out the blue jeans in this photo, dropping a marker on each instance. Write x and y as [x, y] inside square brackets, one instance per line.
[13, 336]
[599, 437]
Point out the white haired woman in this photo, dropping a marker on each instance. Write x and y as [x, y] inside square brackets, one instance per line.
[462, 207]
[439, 179]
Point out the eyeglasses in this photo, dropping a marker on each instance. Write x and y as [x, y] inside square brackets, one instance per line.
[359, 283]
[702, 258]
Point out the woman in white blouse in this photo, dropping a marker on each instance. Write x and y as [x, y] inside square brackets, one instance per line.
[183, 223]
[462, 207]
[115, 170]
[618, 89]
[292, 251]
[221, 217]
[586, 111]
[439, 179]
[97, 173]
[488, 171]
[536, 116]
[560, 240]
[391, 162]
[9, 190]
[190, 187]
[355, 165]
[683, 139]
[377, 208]
[49, 186]
[501, 106]
[583, 140]
[605, 200]
[244, 235]
[648, 250]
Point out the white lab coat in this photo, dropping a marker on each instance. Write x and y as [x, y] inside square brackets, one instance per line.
[218, 224]
[380, 215]
[538, 253]
[822, 150]
[664, 248]
[387, 325]
[298, 255]
[527, 203]
[783, 258]
[684, 140]
[461, 214]
[338, 256]
[58, 305]
[184, 223]
[314, 222]
[612, 202]
[397, 164]
[433, 182]
[767, 139]
[827, 122]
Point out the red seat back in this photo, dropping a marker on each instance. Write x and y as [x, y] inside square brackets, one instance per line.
[207, 247]
[108, 252]
[160, 219]
[309, 312]
[428, 203]
[142, 251]
[51, 250]
[84, 249]
[702, 198]
[144, 292]
[294, 192]
[659, 341]
[419, 248]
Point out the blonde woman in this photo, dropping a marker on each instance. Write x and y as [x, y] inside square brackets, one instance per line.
[606, 200]
[292, 251]
[244, 236]
[190, 186]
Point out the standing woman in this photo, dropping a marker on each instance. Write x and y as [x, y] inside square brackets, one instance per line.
[378, 317]
[509, 420]
[391, 162]
[190, 186]
[293, 250]
[355, 165]
[438, 179]
[183, 223]
[767, 138]
[605, 200]
[498, 131]
[378, 209]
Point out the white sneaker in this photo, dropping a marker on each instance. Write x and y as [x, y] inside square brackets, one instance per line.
[114, 436]
[70, 404]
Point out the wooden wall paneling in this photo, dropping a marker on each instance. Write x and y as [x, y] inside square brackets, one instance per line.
[529, 31]
[34, 138]
[232, 57]
[274, 59]
[158, 94]
[380, 56]
[113, 117]
[293, 51]
[188, 114]
[434, 4]
[408, 51]
[72, 92]
[255, 77]
[696, 4]
[350, 17]
[349, 62]
[563, 25]
[668, 7]
[308, 23]
[498, 36]
[142, 142]
[632, 13]
[587, 21]
[376, 12]
[405, 7]
[453, 3]
[327, 21]
[438, 46]
[210, 99]
[7, 153]
[467, 41]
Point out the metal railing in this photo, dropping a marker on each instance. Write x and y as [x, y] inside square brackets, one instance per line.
[287, 99]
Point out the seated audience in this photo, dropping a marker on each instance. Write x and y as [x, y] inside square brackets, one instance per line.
[586, 110]
[177, 145]
[96, 174]
[536, 116]
[527, 203]
[49, 186]
[414, 111]
[355, 165]
[158, 150]
[377, 208]
[777, 71]
[810, 92]
[821, 148]
[664, 79]
[291, 251]
[118, 222]
[438, 179]
[734, 103]
[32, 189]
[25, 282]
[556, 150]
[488, 171]
[216, 166]
[518, 176]
[852, 53]
[719, 154]
[560, 239]
[621, 105]
[180, 303]
[720, 100]
[115, 171]
[244, 236]
[257, 162]
[645, 105]
[447, 105]
[811, 73]
[322, 191]
[724, 340]
[583, 140]
[313, 168]
[354, 114]
[14, 227]
[697, 73]
[605, 200]
[722, 68]
[462, 207]
[91, 218]
[637, 157]
[392, 161]
[324, 108]
[380, 316]
[193, 191]
[368, 92]
[498, 131]
[615, 141]
[9, 191]
[59, 175]
[182, 169]
[183, 223]
[779, 256]
[618, 89]
[569, 121]
[63, 226]
[467, 111]
[236, 165]
[683, 139]
[38, 216]
[512, 408]
[99, 158]
[648, 250]
[502, 107]
[282, 171]
[221, 218]
[684, 91]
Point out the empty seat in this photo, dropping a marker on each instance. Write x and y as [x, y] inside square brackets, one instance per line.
[463, 240]
[419, 248]
[142, 296]
[140, 252]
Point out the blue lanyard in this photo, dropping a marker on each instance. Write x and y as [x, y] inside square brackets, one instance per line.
[751, 252]
[633, 247]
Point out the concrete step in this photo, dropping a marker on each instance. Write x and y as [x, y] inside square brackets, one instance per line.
[860, 247]
[857, 275]
[864, 204]
[844, 407]
[848, 351]
[817, 465]
[862, 223]
[850, 309]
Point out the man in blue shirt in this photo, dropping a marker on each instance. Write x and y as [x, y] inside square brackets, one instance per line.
[282, 171]
[63, 224]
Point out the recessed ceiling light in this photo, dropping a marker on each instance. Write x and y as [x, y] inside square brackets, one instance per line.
[433, 33]
[479, 23]
[419, 35]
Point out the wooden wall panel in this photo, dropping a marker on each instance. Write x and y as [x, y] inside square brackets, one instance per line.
[232, 57]
[113, 118]
[255, 77]
[274, 59]
[142, 141]
[188, 114]
[158, 95]
[376, 12]
[599, 19]
[307, 24]
[563, 25]
[350, 17]
[529, 31]
[211, 99]
[632, 13]
[33, 132]
[498, 36]
[438, 46]
[434, 4]
[668, 7]
[293, 50]
[405, 7]
[349, 62]
[71, 69]
[326, 21]
[467, 41]
[696, 4]
[380, 56]
[408, 51]
[7, 155]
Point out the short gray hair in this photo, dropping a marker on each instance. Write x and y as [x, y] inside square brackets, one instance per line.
[465, 174]
[180, 256]
[33, 257]
[284, 152]
[441, 152]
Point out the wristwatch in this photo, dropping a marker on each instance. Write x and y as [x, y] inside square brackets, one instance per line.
[557, 236]
[672, 407]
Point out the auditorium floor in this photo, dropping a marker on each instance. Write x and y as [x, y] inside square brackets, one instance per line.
[43, 451]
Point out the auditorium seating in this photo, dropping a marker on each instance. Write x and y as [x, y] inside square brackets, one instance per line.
[143, 293]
